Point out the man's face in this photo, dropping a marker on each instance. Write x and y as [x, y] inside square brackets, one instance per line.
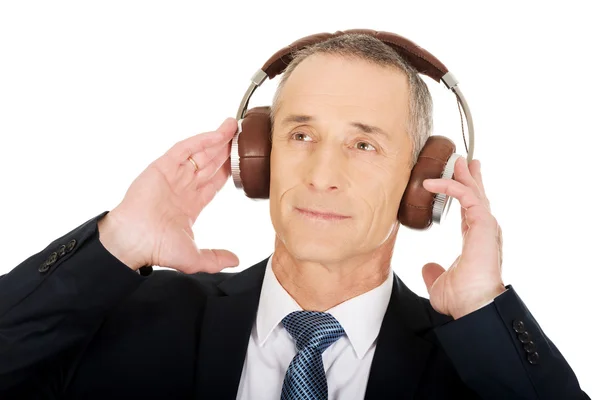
[340, 145]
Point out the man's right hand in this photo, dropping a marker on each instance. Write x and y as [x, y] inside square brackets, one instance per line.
[152, 225]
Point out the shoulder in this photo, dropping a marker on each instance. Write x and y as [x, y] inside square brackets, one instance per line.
[168, 281]
[167, 294]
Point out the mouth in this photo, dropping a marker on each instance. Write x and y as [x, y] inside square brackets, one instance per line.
[326, 216]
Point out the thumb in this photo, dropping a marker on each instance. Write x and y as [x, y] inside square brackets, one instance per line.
[431, 272]
[214, 260]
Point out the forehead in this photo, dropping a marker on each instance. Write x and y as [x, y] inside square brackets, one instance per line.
[346, 85]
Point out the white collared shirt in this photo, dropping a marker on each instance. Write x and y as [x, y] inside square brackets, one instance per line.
[347, 362]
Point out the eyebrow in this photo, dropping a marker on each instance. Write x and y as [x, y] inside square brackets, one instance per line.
[369, 129]
[296, 119]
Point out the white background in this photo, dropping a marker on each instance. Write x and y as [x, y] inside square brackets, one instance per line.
[92, 92]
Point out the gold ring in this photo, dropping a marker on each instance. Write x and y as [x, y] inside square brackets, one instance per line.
[193, 163]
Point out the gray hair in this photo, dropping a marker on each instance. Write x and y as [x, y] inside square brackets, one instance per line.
[368, 48]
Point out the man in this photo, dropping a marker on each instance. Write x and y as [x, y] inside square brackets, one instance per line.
[323, 316]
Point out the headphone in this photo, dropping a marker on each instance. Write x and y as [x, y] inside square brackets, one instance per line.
[251, 144]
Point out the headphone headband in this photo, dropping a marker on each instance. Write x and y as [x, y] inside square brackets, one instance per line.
[423, 61]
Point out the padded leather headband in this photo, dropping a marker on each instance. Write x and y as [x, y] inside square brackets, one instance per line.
[422, 60]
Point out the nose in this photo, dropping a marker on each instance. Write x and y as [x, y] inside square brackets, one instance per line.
[325, 169]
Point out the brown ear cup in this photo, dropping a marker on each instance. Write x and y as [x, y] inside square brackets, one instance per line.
[416, 207]
[254, 144]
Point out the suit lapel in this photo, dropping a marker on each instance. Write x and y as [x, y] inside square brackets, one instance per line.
[225, 329]
[400, 354]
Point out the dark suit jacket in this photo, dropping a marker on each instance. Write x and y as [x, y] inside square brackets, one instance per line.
[79, 324]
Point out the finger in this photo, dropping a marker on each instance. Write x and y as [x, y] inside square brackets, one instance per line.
[465, 195]
[189, 259]
[221, 154]
[210, 188]
[191, 164]
[215, 260]
[186, 174]
[208, 160]
[463, 175]
[431, 272]
[199, 143]
[220, 176]
[475, 168]
[464, 227]
[205, 260]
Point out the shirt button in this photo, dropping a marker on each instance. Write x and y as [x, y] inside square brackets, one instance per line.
[518, 326]
[533, 358]
[525, 337]
[44, 267]
[530, 347]
[71, 245]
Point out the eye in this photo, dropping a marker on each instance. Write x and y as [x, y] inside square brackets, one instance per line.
[296, 134]
[365, 145]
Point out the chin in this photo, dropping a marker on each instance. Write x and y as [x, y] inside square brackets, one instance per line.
[317, 247]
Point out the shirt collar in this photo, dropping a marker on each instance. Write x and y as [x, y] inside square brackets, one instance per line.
[361, 316]
[274, 304]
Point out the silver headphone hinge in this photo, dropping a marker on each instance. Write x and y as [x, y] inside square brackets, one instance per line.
[449, 80]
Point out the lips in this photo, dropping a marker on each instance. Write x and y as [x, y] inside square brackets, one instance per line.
[321, 214]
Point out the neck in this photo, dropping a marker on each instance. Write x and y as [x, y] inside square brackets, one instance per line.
[319, 286]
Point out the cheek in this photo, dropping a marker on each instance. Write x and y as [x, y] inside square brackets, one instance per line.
[382, 193]
[284, 174]
[378, 195]
[381, 190]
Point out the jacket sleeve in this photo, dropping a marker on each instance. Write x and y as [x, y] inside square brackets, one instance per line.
[52, 304]
[501, 352]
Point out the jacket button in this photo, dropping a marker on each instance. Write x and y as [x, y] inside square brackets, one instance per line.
[533, 358]
[71, 245]
[44, 267]
[518, 326]
[530, 347]
[52, 259]
[61, 250]
[525, 337]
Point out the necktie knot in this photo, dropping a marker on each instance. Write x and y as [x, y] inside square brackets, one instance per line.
[313, 329]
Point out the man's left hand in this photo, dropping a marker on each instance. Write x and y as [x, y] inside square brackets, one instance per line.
[475, 277]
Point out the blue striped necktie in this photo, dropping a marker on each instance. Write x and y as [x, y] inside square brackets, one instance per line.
[314, 332]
